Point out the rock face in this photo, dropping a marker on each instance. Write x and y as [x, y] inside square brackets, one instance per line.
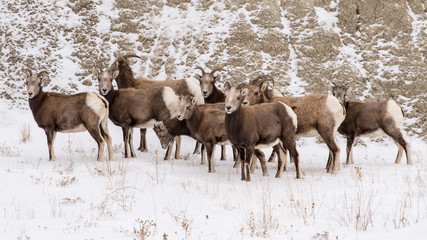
[377, 47]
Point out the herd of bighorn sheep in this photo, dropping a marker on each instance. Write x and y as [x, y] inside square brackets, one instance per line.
[248, 116]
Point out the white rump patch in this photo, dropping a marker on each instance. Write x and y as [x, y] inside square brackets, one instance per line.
[335, 107]
[276, 93]
[311, 133]
[224, 143]
[149, 124]
[292, 114]
[268, 145]
[171, 101]
[195, 90]
[78, 128]
[98, 104]
[394, 111]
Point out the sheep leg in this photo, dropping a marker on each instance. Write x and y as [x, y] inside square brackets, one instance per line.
[241, 160]
[96, 134]
[197, 148]
[397, 136]
[290, 145]
[246, 162]
[202, 153]
[107, 138]
[126, 133]
[272, 156]
[209, 149]
[132, 151]
[177, 147]
[253, 163]
[143, 140]
[329, 138]
[223, 154]
[281, 160]
[260, 155]
[350, 141]
[50, 134]
[169, 150]
[237, 158]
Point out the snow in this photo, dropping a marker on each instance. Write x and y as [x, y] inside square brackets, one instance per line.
[79, 198]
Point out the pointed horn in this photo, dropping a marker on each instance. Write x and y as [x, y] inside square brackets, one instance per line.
[203, 71]
[215, 70]
[126, 57]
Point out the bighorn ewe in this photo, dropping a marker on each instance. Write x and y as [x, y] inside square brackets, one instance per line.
[317, 114]
[137, 107]
[167, 130]
[211, 94]
[371, 119]
[126, 79]
[207, 126]
[57, 112]
[258, 126]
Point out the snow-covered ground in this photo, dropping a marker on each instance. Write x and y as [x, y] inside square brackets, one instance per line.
[76, 197]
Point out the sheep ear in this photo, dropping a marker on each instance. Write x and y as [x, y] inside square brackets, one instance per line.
[331, 88]
[348, 89]
[244, 92]
[264, 86]
[216, 78]
[198, 77]
[96, 71]
[116, 73]
[226, 87]
[25, 76]
[160, 125]
[193, 100]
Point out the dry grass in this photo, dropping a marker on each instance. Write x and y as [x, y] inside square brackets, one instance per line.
[25, 133]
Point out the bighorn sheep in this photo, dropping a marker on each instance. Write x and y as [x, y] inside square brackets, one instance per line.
[258, 126]
[207, 126]
[317, 114]
[211, 94]
[57, 112]
[136, 107]
[371, 119]
[126, 79]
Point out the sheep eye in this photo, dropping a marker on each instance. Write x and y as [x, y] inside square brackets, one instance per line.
[238, 98]
[256, 93]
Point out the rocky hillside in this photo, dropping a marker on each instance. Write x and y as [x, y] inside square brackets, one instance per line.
[378, 47]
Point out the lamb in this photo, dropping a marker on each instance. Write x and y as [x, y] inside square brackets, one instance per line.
[57, 112]
[259, 126]
[140, 108]
[317, 114]
[371, 119]
[126, 79]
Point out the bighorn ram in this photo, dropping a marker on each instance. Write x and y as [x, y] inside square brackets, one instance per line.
[126, 79]
[211, 94]
[371, 119]
[57, 112]
[136, 107]
[258, 126]
[317, 114]
[207, 126]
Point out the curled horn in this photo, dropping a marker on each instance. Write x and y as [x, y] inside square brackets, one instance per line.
[242, 85]
[261, 79]
[41, 73]
[215, 70]
[203, 71]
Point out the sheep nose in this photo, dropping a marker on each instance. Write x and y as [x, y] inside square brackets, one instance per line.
[30, 94]
[205, 92]
[228, 108]
[104, 90]
[179, 117]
